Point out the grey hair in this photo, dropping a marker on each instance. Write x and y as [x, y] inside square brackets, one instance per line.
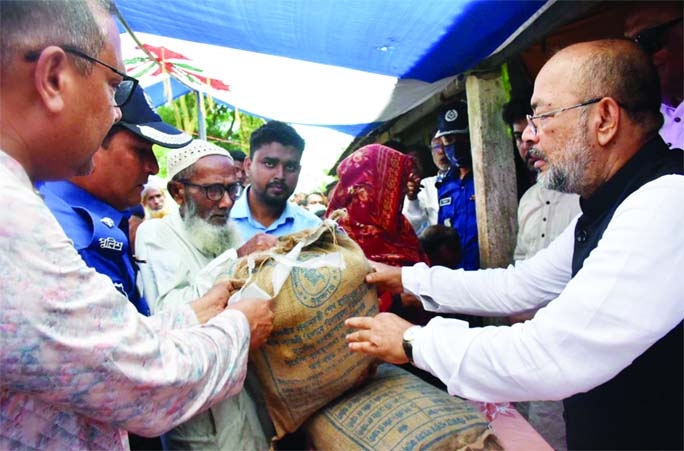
[30, 25]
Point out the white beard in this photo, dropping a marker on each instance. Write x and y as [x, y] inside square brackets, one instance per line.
[211, 239]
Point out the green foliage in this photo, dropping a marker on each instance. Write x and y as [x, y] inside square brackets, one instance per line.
[160, 152]
[508, 87]
[506, 79]
[326, 185]
[225, 126]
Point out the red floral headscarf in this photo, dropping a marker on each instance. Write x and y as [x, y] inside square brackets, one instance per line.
[371, 187]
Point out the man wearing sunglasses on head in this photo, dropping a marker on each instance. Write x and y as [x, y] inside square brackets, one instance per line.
[93, 209]
[181, 255]
[657, 28]
[80, 365]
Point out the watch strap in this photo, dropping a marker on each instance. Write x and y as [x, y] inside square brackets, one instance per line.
[407, 341]
[408, 350]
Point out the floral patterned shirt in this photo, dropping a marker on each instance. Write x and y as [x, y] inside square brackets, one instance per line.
[78, 364]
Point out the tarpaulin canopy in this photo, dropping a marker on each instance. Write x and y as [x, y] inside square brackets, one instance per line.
[349, 65]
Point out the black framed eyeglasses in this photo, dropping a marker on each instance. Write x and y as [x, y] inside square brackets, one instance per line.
[653, 39]
[554, 113]
[216, 191]
[123, 91]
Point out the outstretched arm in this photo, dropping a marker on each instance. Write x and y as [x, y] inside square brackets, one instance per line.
[385, 277]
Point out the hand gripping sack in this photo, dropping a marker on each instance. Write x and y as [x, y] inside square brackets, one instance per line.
[317, 280]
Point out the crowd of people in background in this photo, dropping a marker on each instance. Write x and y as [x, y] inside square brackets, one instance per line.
[110, 255]
[315, 202]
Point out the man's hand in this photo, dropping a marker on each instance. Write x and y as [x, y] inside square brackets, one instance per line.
[215, 300]
[259, 242]
[380, 336]
[386, 277]
[260, 317]
[413, 187]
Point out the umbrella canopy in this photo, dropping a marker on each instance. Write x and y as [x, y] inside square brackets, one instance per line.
[349, 65]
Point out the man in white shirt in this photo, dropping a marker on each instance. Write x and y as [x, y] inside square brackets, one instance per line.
[421, 205]
[609, 339]
[542, 215]
[180, 256]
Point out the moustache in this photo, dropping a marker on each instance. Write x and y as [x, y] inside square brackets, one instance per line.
[282, 186]
[536, 153]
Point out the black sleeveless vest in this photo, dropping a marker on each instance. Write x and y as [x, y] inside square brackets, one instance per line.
[642, 407]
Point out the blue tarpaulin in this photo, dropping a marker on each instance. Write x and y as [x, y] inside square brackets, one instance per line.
[344, 64]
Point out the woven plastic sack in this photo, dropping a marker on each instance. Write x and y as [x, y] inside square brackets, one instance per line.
[317, 280]
[398, 411]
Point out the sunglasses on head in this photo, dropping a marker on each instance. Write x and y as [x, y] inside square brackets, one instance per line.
[653, 39]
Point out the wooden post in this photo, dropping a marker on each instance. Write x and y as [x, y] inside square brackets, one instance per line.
[494, 170]
[201, 116]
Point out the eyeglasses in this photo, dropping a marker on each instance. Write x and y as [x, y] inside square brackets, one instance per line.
[653, 39]
[123, 91]
[216, 191]
[554, 113]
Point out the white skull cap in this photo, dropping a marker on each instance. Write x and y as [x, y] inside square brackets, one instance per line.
[179, 159]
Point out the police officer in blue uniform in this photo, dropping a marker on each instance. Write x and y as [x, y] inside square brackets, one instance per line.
[455, 187]
[94, 209]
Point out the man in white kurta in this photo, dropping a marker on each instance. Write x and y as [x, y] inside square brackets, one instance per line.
[421, 204]
[421, 211]
[542, 215]
[175, 264]
[609, 337]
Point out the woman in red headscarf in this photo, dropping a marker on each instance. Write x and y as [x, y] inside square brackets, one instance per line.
[371, 188]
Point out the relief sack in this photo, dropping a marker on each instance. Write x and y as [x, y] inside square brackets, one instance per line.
[317, 280]
[398, 411]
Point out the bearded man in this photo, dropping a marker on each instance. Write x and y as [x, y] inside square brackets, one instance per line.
[609, 333]
[180, 255]
[272, 167]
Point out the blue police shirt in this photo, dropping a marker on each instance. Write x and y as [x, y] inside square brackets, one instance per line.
[99, 233]
[293, 219]
[457, 209]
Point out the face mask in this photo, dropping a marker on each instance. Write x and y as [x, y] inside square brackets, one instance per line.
[458, 155]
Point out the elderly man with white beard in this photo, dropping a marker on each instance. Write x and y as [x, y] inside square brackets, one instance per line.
[180, 255]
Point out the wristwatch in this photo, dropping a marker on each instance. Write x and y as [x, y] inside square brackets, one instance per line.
[407, 342]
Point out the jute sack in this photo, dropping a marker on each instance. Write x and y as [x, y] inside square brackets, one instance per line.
[396, 411]
[316, 278]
